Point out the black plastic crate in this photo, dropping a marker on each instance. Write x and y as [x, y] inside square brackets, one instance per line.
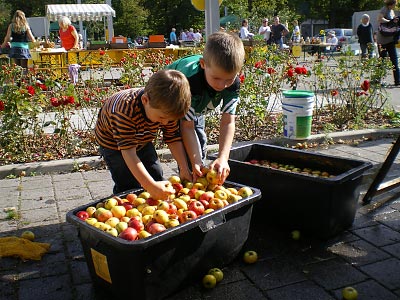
[157, 266]
[322, 207]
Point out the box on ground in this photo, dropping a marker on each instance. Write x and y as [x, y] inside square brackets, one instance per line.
[322, 207]
[157, 266]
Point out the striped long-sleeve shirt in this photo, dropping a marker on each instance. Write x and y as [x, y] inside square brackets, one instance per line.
[122, 123]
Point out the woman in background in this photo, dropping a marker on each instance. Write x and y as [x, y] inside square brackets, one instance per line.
[387, 44]
[68, 34]
[19, 33]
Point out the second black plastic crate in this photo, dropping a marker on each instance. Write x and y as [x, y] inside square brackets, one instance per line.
[157, 266]
[322, 207]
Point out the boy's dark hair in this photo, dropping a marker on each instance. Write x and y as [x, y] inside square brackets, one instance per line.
[224, 50]
[169, 90]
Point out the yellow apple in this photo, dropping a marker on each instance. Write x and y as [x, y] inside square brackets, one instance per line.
[250, 257]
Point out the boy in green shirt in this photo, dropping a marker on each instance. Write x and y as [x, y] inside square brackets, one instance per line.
[213, 79]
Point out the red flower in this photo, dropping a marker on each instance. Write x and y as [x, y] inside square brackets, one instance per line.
[290, 72]
[358, 94]
[270, 70]
[298, 70]
[54, 102]
[241, 78]
[123, 60]
[365, 85]
[31, 90]
[2, 107]
[102, 52]
[258, 64]
[334, 93]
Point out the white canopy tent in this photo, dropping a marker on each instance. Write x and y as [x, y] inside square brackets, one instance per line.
[82, 12]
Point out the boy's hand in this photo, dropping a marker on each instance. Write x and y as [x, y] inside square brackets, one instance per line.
[197, 171]
[161, 190]
[222, 168]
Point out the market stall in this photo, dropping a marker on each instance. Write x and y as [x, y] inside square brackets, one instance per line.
[83, 12]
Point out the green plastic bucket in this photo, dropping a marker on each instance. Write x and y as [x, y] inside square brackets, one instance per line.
[297, 108]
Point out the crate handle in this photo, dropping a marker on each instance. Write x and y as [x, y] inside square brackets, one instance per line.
[213, 222]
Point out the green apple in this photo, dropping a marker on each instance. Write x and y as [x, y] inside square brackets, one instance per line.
[174, 179]
[118, 211]
[110, 203]
[295, 235]
[112, 231]
[121, 226]
[209, 281]
[250, 257]
[91, 221]
[161, 216]
[113, 221]
[217, 273]
[28, 235]
[245, 191]
[349, 293]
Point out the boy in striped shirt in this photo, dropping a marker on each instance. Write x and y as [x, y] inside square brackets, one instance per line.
[213, 79]
[128, 123]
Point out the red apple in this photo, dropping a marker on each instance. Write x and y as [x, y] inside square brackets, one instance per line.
[207, 196]
[253, 161]
[104, 215]
[151, 201]
[197, 207]
[127, 205]
[155, 228]
[131, 197]
[172, 209]
[83, 215]
[187, 215]
[135, 223]
[216, 203]
[177, 187]
[129, 234]
[192, 193]
[205, 203]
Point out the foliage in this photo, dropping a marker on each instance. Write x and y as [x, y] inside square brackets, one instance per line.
[142, 17]
[45, 116]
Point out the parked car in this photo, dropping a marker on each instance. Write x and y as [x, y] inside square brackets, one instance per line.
[344, 35]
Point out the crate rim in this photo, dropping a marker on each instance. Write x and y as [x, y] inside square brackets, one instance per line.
[359, 170]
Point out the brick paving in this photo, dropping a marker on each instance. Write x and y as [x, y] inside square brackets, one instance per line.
[365, 256]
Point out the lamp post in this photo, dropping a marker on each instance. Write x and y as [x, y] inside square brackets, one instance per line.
[212, 16]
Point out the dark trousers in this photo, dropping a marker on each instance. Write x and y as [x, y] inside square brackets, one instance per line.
[390, 50]
[120, 173]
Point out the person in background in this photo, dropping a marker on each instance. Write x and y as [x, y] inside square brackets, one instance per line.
[183, 36]
[198, 37]
[245, 34]
[265, 30]
[19, 33]
[172, 37]
[365, 34]
[278, 31]
[387, 44]
[190, 35]
[296, 32]
[68, 34]
[127, 124]
[213, 79]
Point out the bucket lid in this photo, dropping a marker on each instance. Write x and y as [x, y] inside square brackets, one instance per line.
[297, 94]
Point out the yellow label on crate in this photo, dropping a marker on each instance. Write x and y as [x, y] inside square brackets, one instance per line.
[101, 265]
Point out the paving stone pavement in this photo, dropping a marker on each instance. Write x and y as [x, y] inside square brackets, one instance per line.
[365, 256]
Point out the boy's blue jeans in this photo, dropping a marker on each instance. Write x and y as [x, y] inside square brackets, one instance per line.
[120, 173]
[199, 126]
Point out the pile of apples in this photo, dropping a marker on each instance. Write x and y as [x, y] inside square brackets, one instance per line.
[138, 216]
[290, 168]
